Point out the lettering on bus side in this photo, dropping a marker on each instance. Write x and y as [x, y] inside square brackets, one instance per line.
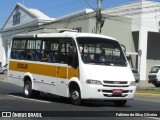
[21, 65]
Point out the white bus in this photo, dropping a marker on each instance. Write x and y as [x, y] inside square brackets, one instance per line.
[78, 66]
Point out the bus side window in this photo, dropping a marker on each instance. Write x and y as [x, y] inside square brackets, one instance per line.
[49, 50]
[13, 54]
[52, 57]
[17, 54]
[36, 55]
[21, 54]
[44, 56]
[29, 55]
[61, 58]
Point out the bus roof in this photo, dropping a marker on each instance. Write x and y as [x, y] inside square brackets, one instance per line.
[64, 34]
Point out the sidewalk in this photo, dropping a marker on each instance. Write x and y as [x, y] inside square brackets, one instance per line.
[147, 89]
[143, 84]
[3, 77]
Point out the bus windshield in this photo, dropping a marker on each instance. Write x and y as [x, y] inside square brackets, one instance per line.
[101, 51]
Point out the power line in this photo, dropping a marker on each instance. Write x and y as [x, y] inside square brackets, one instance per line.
[90, 6]
[75, 20]
[79, 19]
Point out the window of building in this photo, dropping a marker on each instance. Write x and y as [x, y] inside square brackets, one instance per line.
[16, 17]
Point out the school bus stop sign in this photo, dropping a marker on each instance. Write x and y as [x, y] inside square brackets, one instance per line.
[140, 52]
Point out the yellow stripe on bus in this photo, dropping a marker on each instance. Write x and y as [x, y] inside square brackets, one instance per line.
[44, 69]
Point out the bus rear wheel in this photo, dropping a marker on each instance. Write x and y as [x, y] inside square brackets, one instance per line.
[28, 92]
[120, 102]
[27, 89]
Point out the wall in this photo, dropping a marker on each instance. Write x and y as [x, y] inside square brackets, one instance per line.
[121, 31]
[153, 55]
[70, 22]
[24, 18]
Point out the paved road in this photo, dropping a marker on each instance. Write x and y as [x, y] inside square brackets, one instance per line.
[11, 99]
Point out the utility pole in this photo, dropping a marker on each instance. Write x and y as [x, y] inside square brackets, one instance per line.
[99, 17]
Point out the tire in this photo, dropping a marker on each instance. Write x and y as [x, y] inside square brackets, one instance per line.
[75, 96]
[156, 85]
[27, 90]
[35, 93]
[5, 72]
[120, 102]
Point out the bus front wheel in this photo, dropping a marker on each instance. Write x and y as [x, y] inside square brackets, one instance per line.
[75, 96]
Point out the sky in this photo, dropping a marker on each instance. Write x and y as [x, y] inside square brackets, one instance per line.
[54, 8]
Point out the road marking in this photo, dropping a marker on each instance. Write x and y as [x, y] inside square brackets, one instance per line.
[154, 118]
[30, 99]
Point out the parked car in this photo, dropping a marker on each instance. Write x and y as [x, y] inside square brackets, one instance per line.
[136, 75]
[3, 69]
[154, 75]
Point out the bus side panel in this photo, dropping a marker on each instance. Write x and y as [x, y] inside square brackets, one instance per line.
[44, 84]
[42, 76]
[15, 79]
[48, 78]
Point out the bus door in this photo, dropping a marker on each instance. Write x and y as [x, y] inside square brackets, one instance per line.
[62, 66]
[72, 62]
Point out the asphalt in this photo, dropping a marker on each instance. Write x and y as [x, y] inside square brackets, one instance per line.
[143, 87]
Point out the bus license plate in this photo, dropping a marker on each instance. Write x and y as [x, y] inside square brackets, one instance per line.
[117, 91]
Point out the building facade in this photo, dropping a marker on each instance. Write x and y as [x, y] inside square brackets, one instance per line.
[26, 20]
[145, 15]
[21, 20]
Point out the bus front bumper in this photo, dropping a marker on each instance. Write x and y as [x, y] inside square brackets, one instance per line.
[99, 92]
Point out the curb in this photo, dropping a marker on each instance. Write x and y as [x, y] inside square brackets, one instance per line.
[147, 94]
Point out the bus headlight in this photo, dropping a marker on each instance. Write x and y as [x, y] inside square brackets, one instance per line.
[96, 82]
[132, 83]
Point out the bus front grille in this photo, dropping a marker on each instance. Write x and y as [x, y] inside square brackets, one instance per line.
[109, 93]
[115, 83]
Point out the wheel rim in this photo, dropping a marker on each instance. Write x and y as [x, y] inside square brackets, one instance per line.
[75, 95]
